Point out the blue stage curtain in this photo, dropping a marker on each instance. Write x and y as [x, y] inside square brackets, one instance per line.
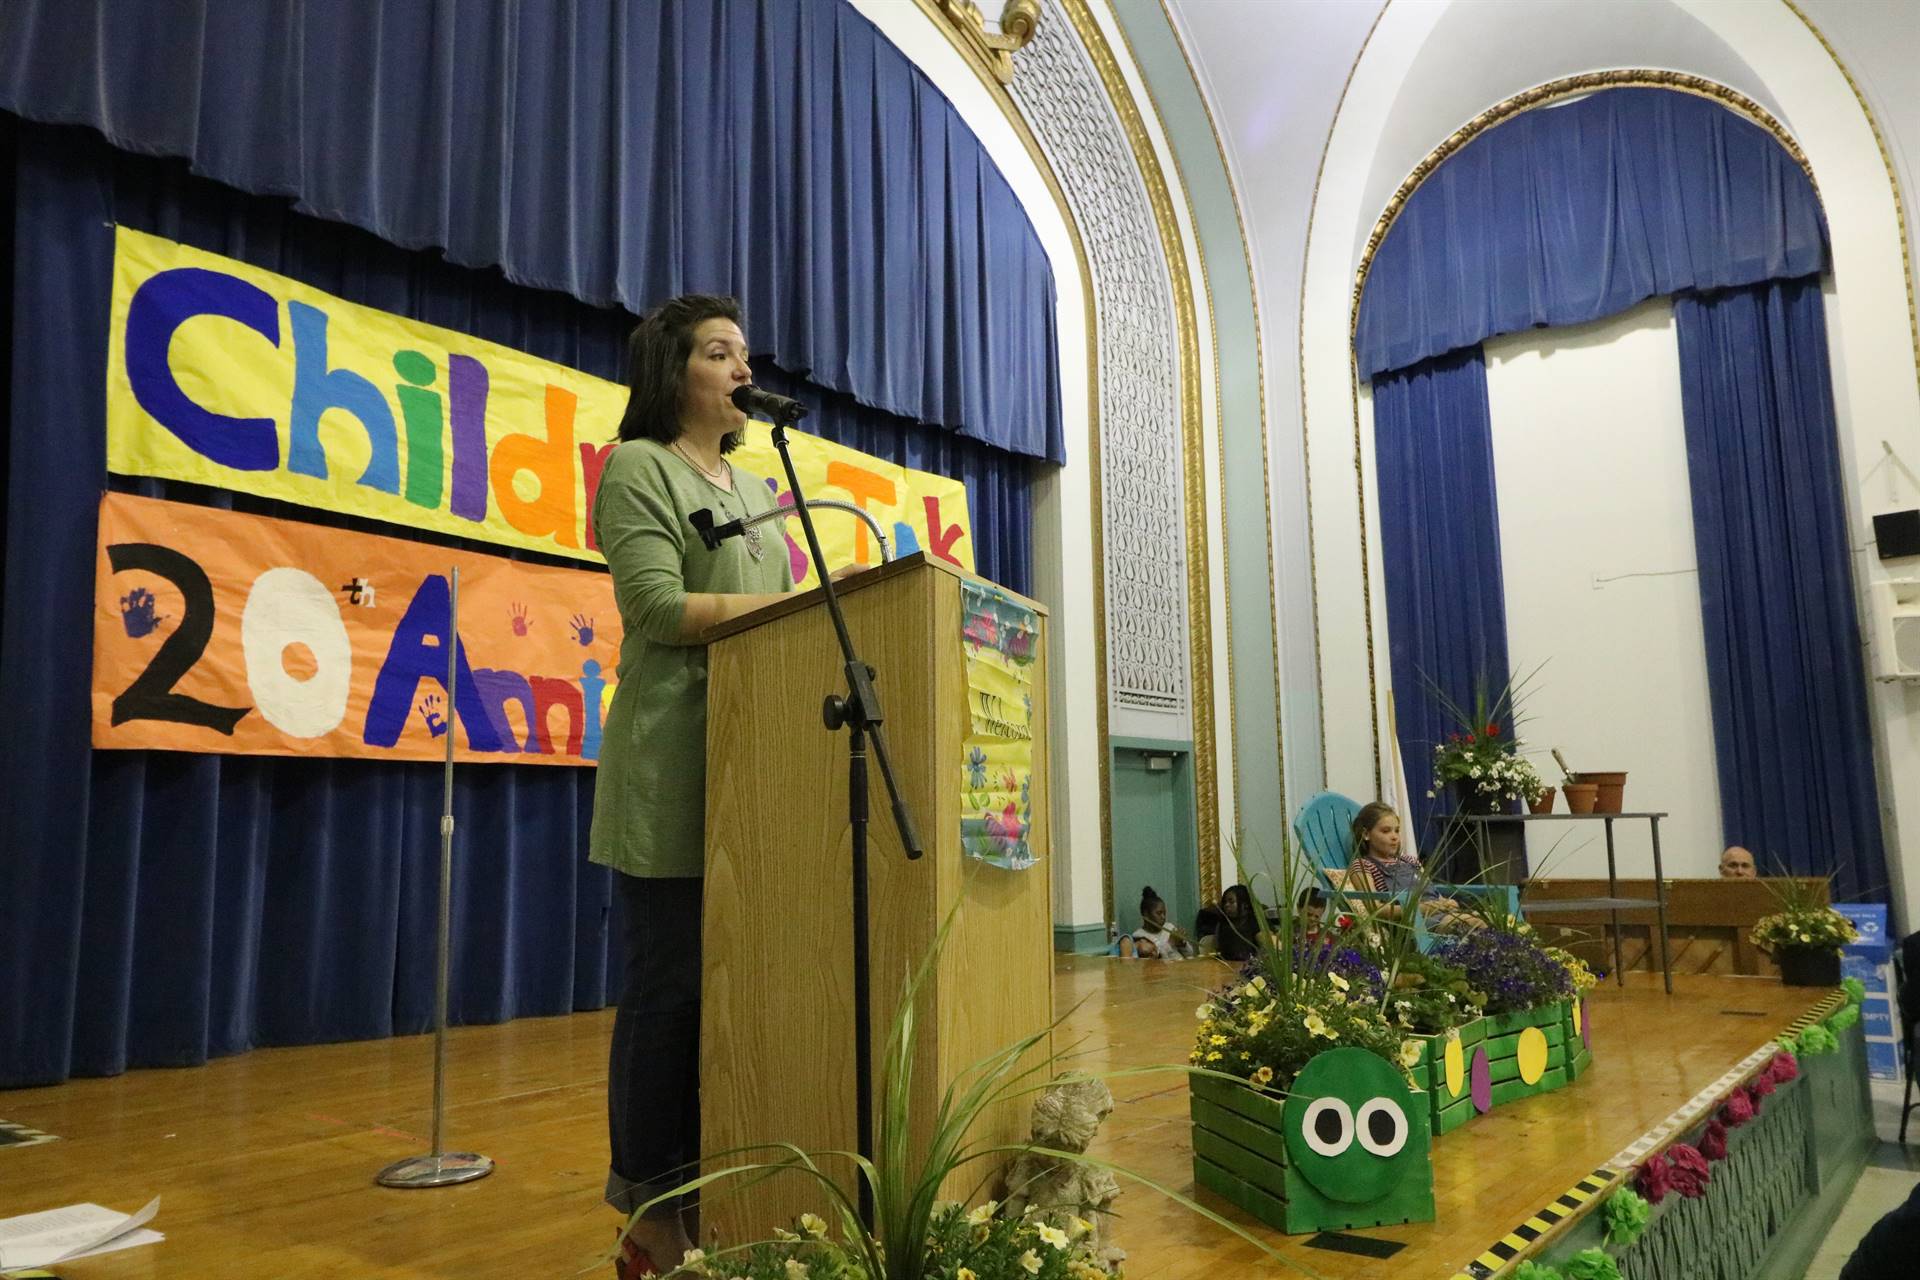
[1792, 741]
[1567, 214]
[163, 908]
[1440, 539]
[778, 150]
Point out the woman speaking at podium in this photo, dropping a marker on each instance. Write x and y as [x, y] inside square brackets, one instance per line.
[685, 360]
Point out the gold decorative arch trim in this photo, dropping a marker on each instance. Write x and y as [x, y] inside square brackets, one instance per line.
[1206, 786]
[996, 89]
[1893, 176]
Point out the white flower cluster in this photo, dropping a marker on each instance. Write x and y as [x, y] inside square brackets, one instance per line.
[1505, 776]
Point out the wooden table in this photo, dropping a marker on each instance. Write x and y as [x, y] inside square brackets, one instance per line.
[1613, 904]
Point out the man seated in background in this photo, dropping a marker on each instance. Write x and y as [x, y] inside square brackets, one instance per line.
[1737, 864]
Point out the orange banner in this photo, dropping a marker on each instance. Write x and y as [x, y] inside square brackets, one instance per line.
[215, 631]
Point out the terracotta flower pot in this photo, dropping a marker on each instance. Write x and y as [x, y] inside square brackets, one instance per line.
[1544, 804]
[1612, 788]
[1808, 967]
[1581, 797]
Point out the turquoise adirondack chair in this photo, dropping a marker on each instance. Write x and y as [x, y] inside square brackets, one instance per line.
[1323, 830]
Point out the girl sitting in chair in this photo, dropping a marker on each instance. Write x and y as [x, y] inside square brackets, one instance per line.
[1379, 867]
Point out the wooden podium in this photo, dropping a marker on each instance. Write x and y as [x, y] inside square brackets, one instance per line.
[776, 1034]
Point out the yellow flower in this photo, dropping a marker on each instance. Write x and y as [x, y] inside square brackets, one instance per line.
[965, 1273]
[1315, 1024]
[981, 1213]
[1031, 1262]
[695, 1261]
[813, 1225]
[796, 1269]
[1261, 1077]
[1214, 1056]
[1409, 1053]
[1054, 1236]
[1259, 983]
[1339, 983]
[1201, 1013]
[1080, 1226]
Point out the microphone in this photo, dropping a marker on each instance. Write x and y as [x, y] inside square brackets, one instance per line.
[765, 405]
[714, 534]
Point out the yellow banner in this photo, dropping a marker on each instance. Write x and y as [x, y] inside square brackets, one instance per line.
[221, 632]
[226, 375]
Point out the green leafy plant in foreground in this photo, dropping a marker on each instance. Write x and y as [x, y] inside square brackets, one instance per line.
[913, 1233]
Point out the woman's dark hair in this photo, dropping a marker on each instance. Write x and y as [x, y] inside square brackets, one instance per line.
[1309, 897]
[1237, 901]
[657, 352]
[1366, 820]
[1147, 898]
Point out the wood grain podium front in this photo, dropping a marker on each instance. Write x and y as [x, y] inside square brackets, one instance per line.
[776, 1047]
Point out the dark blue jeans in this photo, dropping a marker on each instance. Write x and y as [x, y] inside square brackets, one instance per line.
[653, 1078]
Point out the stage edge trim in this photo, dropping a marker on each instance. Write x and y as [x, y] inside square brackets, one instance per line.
[1580, 1198]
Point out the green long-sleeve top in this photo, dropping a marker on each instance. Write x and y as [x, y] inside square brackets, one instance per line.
[649, 806]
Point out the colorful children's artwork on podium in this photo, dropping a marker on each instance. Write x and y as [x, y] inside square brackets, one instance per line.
[1001, 636]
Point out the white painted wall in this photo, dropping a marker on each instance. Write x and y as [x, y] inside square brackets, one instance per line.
[1596, 533]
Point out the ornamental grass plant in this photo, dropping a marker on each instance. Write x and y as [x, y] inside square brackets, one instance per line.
[1804, 919]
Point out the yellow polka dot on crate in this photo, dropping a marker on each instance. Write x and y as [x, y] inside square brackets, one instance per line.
[1531, 1053]
[1456, 1067]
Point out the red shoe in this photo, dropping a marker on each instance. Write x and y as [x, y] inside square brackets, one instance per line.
[633, 1261]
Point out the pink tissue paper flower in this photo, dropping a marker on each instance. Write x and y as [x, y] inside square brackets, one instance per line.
[1783, 1068]
[1654, 1180]
[1713, 1143]
[1738, 1109]
[1689, 1174]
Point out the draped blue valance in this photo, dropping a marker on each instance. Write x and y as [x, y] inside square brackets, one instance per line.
[618, 150]
[1567, 214]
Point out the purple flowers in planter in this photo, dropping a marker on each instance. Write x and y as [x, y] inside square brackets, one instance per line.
[1512, 970]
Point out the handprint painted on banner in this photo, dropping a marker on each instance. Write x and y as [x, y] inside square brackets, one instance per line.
[430, 712]
[582, 629]
[137, 613]
[521, 622]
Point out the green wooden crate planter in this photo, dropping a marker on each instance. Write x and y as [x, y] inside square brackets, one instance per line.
[1357, 1154]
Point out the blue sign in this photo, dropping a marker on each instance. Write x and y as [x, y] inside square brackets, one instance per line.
[1883, 1060]
[1870, 920]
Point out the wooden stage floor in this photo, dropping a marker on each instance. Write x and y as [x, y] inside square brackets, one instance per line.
[265, 1162]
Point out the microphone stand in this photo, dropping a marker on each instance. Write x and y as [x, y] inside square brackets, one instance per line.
[860, 715]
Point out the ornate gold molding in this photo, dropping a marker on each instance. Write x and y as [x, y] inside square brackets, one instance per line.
[995, 50]
[1893, 177]
[996, 88]
[1197, 464]
[1193, 455]
[1220, 409]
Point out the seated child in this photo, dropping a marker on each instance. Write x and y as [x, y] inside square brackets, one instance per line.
[1379, 867]
[1237, 925]
[1155, 938]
